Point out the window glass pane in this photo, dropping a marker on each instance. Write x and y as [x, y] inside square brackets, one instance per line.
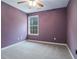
[31, 21]
[35, 21]
[35, 29]
[31, 29]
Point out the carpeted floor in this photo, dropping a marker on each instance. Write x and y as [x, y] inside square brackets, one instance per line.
[32, 50]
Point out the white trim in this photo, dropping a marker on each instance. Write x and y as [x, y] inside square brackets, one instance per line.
[11, 45]
[29, 25]
[47, 42]
[70, 52]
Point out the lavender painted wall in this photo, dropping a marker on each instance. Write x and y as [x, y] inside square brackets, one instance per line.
[50, 22]
[72, 26]
[13, 25]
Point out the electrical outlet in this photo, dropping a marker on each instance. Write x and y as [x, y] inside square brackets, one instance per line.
[18, 38]
[54, 38]
[21, 37]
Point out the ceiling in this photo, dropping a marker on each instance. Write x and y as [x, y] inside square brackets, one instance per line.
[48, 5]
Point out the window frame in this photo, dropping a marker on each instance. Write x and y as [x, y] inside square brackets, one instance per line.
[29, 33]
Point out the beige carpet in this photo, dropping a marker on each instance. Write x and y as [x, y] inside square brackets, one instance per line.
[32, 50]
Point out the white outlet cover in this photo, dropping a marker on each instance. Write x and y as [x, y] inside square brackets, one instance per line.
[54, 38]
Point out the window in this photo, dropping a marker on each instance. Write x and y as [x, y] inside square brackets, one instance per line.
[33, 25]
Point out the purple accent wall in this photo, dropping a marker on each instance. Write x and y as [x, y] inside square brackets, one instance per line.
[13, 25]
[50, 22]
[72, 26]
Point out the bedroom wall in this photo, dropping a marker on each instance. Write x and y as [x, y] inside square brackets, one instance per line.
[72, 26]
[53, 21]
[13, 25]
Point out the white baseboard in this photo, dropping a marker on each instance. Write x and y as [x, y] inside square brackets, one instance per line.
[47, 42]
[70, 52]
[11, 45]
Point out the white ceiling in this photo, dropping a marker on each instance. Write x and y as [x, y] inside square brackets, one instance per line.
[48, 5]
